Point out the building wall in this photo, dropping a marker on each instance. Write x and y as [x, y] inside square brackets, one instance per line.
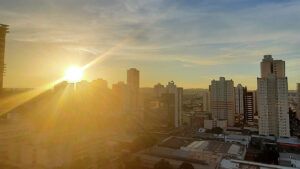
[283, 107]
[272, 99]
[178, 92]
[249, 106]
[133, 85]
[222, 100]
[159, 89]
[239, 103]
[298, 102]
[3, 32]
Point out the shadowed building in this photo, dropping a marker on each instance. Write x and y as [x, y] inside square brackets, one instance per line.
[3, 31]
[249, 106]
[298, 101]
[239, 93]
[133, 84]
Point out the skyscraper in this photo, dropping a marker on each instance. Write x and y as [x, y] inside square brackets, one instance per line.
[120, 97]
[222, 100]
[239, 92]
[3, 31]
[174, 96]
[205, 101]
[272, 98]
[133, 85]
[159, 89]
[249, 106]
[298, 102]
[269, 66]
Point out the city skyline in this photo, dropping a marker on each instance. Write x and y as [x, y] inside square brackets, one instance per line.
[149, 84]
[165, 41]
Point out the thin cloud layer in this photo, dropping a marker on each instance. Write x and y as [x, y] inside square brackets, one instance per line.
[209, 38]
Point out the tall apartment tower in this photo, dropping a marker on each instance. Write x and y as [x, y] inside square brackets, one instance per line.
[298, 101]
[239, 92]
[120, 95]
[174, 95]
[133, 85]
[206, 102]
[249, 106]
[272, 98]
[159, 89]
[3, 32]
[222, 100]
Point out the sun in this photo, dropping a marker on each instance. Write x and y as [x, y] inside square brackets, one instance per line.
[74, 74]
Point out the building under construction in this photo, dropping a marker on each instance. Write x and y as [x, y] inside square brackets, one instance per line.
[3, 32]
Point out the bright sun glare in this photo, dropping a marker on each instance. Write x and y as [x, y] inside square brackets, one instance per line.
[74, 74]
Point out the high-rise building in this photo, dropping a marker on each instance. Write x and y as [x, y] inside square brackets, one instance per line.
[175, 105]
[166, 105]
[205, 101]
[239, 92]
[269, 66]
[3, 32]
[249, 106]
[133, 85]
[120, 97]
[159, 89]
[222, 100]
[298, 101]
[272, 98]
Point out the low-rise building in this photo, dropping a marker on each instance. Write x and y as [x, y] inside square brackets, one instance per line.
[202, 154]
[209, 124]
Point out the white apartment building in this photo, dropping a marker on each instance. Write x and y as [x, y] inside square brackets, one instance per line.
[272, 98]
[222, 100]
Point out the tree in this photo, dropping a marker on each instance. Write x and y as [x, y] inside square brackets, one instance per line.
[163, 164]
[217, 130]
[142, 142]
[186, 165]
[133, 164]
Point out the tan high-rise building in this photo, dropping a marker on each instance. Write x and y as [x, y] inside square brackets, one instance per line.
[3, 32]
[222, 100]
[272, 98]
[133, 85]
[269, 66]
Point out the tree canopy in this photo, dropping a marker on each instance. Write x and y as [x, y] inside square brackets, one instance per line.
[163, 164]
[186, 165]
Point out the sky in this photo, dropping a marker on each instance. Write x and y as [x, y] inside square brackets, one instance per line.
[188, 41]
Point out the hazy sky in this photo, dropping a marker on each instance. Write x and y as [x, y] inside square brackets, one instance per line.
[188, 41]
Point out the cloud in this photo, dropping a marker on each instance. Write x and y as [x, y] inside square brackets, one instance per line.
[193, 33]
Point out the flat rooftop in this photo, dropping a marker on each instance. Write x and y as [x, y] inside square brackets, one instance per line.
[208, 153]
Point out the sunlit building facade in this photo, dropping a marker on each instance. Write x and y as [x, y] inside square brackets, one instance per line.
[272, 98]
[222, 100]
